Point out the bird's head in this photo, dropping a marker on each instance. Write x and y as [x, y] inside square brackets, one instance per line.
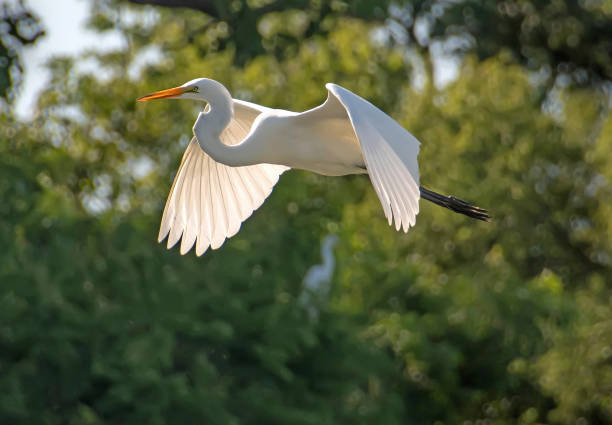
[194, 89]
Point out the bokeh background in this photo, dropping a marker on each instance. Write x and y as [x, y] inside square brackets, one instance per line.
[455, 322]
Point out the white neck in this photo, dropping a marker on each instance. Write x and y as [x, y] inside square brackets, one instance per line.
[327, 251]
[211, 123]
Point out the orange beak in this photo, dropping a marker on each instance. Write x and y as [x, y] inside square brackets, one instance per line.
[164, 94]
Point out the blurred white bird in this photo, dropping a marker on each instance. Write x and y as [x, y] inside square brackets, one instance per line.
[318, 278]
[320, 274]
[240, 149]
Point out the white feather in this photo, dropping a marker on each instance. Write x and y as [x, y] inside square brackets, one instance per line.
[208, 200]
[390, 153]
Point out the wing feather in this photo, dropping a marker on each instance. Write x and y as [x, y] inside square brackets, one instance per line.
[242, 198]
[209, 198]
[203, 239]
[176, 213]
[256, 183]
[218, 204]
[232, 205]
[396, 179]
[390, 153]
[208, 201]
[169, 210]
[378, 182]
[185, 197]
[250, 198]
[192, 222]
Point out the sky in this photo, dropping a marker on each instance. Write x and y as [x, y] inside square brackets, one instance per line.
[64, 22]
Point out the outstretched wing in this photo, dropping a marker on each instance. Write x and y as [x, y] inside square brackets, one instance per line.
[208, 200]
[390, 153]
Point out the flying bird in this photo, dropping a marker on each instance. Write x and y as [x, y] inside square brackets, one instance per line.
[240, 149]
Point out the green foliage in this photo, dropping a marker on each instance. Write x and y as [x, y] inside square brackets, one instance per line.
[571, 38]
[18, 27]
[455, 322]
[577, 371]
[101, 325]
[453, 293]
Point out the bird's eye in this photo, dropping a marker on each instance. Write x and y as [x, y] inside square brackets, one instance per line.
[195, 89]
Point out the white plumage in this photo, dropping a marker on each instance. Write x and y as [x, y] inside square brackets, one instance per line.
[240, 149]
[209, 200]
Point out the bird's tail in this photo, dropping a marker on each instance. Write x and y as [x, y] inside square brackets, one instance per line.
[455, 204]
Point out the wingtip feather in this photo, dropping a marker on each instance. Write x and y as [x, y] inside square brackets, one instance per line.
[162, 235]
[202, 245]
[175, 235]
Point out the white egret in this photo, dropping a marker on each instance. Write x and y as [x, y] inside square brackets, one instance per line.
[240, 149]
[317, 282]
[318, 276]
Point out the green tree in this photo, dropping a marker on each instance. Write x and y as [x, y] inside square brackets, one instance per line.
[466, 307]
[100, 325]
[567, 38]
[18, 27]
[454, 322]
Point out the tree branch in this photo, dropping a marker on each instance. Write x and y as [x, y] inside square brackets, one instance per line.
[206, 6]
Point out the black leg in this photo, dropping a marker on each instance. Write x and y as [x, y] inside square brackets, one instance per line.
[455, 204]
